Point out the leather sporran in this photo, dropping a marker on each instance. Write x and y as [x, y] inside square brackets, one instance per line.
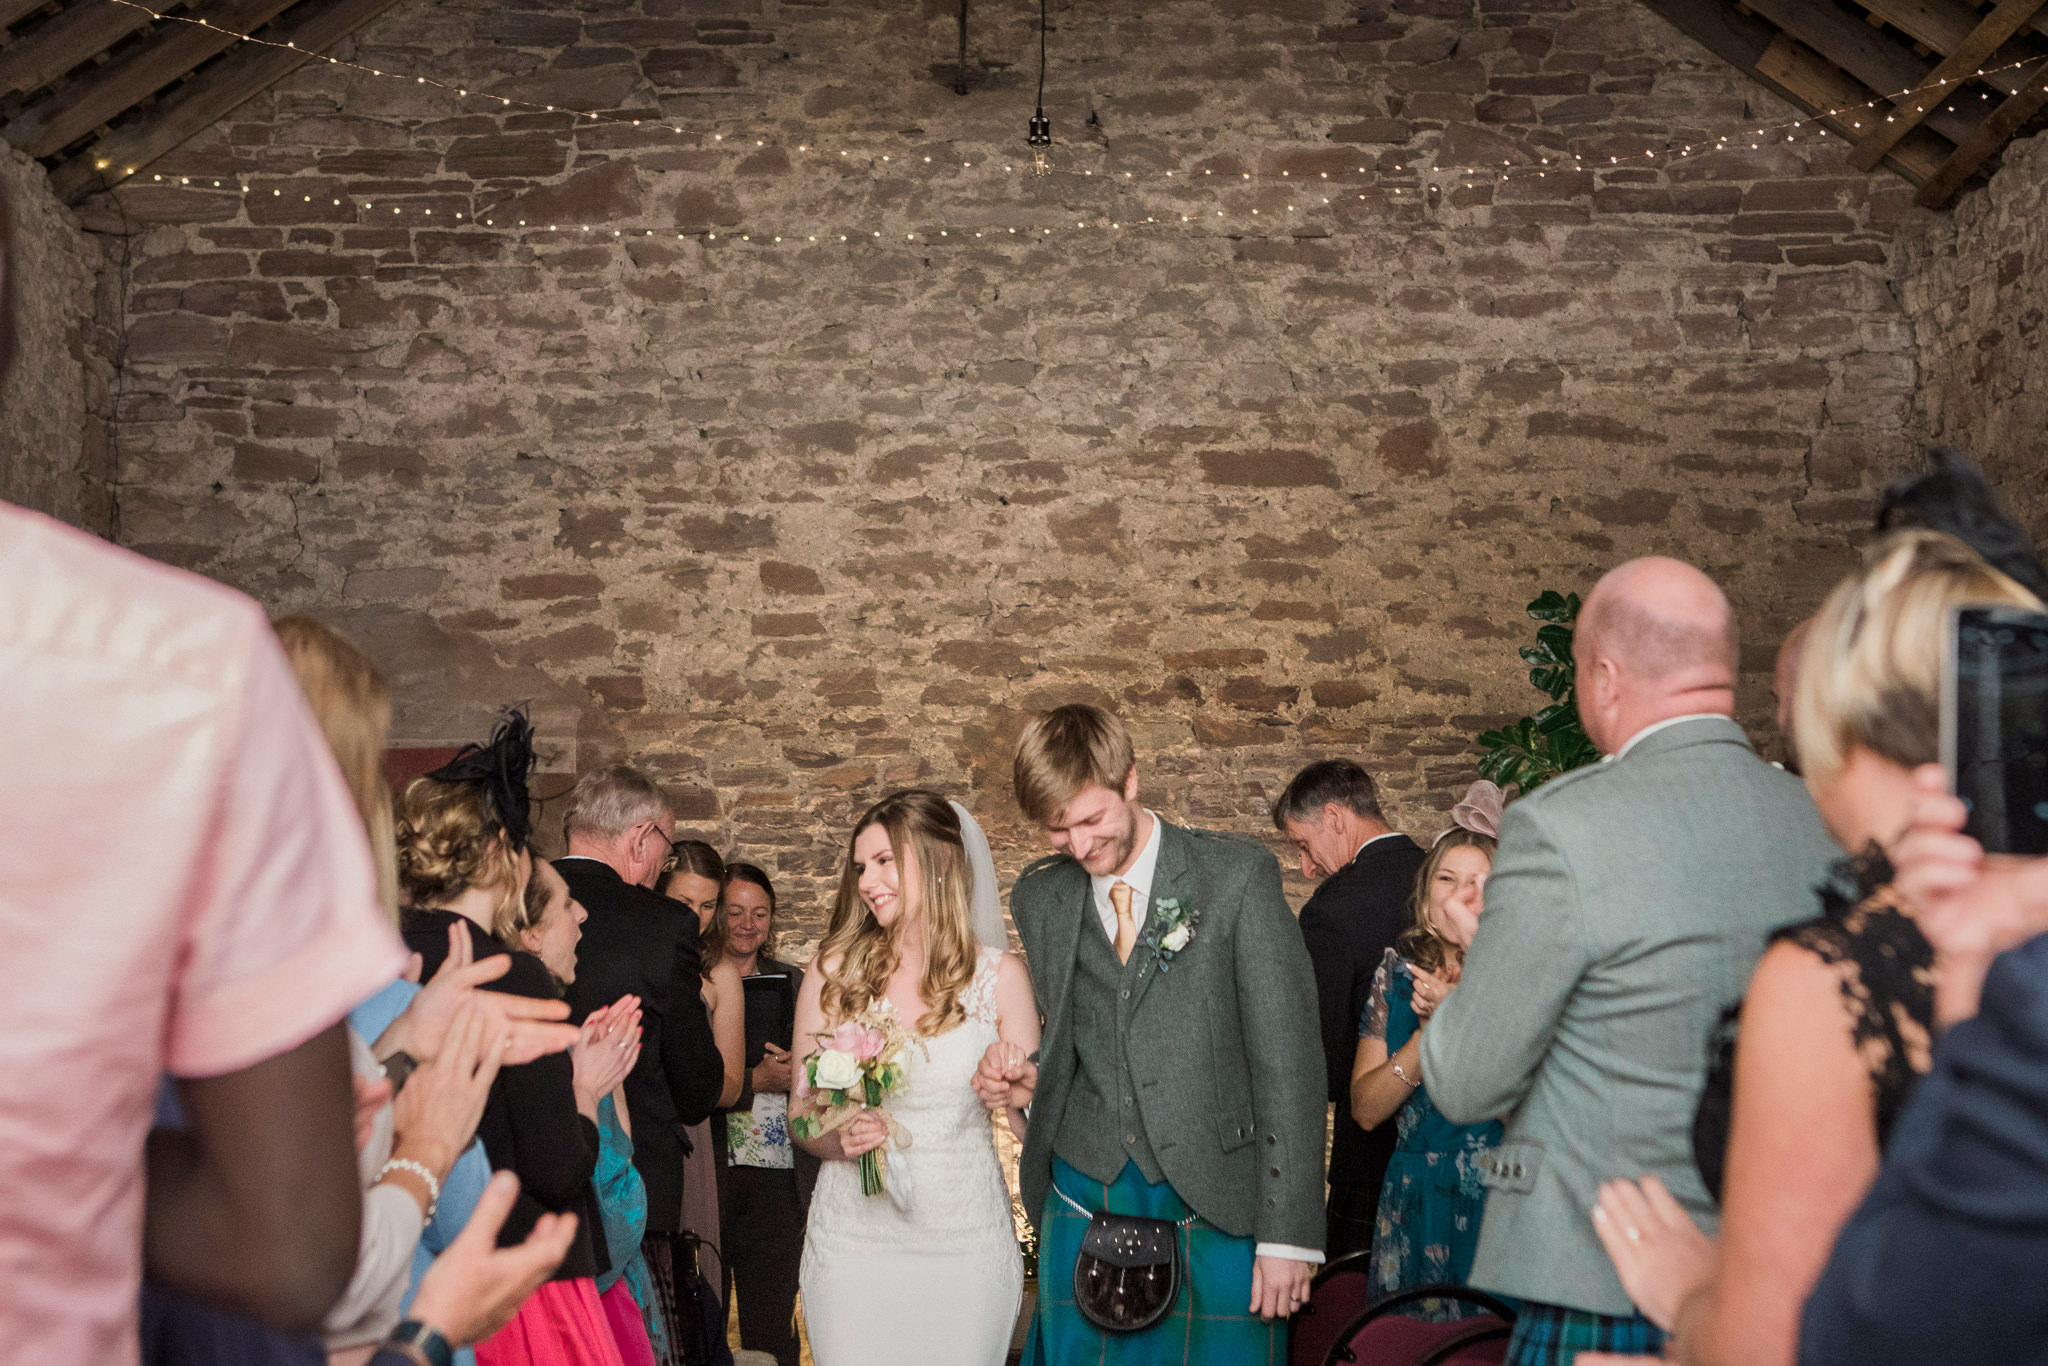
[1128, 1273]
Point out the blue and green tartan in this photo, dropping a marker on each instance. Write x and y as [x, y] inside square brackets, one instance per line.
[1552, 1335]
[1208, 1323]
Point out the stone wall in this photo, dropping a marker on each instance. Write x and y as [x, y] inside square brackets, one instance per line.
[1975, 284]
[55, 455]
[793, 523]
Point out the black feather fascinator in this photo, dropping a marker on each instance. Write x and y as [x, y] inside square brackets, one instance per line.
[501, 768]
[1953, 497]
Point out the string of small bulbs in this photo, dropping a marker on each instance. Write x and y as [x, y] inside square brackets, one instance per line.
[1422, 184]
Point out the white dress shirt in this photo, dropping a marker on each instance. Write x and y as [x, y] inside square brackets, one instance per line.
[1139, 876]
[1668, 722]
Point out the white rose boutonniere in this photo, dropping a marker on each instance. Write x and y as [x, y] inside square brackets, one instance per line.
[1171, 928]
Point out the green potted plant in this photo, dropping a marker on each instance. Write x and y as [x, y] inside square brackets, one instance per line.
[1530, 752]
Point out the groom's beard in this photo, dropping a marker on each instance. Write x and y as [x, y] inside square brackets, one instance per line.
[1115, 852]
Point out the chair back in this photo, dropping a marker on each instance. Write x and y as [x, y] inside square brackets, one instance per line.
[1336, 1296]
[1381, 1335]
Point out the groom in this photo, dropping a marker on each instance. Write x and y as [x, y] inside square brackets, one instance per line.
[1180, 1076]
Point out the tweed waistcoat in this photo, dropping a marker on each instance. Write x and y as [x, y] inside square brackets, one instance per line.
[1102, 1126]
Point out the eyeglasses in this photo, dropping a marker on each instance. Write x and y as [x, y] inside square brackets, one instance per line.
[668, 865]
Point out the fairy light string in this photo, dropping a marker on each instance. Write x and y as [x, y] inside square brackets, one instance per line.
[1421, 184]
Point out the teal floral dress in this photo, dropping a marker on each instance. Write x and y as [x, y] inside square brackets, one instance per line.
[1433, 1199]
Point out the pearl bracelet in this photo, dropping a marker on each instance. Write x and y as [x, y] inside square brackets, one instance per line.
[419, 1169]
[1412, 1083]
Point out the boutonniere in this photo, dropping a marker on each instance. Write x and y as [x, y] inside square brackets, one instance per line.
[1171, 928]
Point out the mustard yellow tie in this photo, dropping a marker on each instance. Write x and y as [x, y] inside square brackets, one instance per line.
[1126, 926]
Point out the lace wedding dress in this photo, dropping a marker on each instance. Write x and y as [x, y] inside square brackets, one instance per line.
[940, 1285]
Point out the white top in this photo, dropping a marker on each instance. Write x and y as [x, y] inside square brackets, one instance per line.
[1140, 877]
[1666, 724]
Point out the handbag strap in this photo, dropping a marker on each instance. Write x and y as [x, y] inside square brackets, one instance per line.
[1087, 1213]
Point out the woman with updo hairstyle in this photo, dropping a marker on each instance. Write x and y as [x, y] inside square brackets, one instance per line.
[1837, 1027]
[930, 1271]
[1433, 1197]
[464, 859]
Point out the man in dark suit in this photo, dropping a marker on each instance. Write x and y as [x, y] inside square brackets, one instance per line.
[1331, 814]
[620, 830]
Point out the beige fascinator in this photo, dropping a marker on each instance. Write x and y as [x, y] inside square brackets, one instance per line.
[1479, 810]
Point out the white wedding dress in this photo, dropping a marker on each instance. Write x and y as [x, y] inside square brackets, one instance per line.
[940, 1285]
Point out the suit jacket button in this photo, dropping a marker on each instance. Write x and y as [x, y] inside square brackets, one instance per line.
[1271, 1139]
[1271, 1203]
[1518, 1171]
[1130, 1138]
[1127, 993]
[1272, 1171]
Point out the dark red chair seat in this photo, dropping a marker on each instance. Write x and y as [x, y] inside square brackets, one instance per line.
[1336, 1297]
[1380, 1335]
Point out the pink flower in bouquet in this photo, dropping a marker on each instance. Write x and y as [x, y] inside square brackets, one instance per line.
[847, 1039]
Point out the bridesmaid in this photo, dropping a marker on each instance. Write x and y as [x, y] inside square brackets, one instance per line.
[1433, 1199]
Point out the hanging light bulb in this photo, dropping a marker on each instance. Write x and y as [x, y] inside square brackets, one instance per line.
[1040, 137]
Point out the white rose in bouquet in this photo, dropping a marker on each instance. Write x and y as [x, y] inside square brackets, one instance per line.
[835, 1070]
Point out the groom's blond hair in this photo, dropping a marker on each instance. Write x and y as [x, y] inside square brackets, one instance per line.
[1066, 750]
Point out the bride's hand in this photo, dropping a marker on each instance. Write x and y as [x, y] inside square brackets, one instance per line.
[864, 1133]
[1006, 1077]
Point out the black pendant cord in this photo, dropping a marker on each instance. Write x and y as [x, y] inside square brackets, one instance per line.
[960, 80]
[1041, 57]
[1041, 127]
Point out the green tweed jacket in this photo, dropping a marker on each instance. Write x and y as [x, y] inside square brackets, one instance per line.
[1627, 907]
[1224, 1048]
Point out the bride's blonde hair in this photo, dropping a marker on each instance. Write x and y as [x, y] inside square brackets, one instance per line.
[859, 952]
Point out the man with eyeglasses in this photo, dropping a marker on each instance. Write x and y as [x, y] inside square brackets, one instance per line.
[621, 835]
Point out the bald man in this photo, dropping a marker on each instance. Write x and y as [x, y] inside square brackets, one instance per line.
[1628, 903]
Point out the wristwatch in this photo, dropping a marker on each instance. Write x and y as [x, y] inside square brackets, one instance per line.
[397, 1068]
[414, 1339]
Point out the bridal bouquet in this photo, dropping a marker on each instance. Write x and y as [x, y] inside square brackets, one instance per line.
[855, 1069]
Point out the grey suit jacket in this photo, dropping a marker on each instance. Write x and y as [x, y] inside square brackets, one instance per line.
[1224, 1046]
[1627, 907]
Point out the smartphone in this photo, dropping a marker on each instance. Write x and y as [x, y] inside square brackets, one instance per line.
[1994, 725]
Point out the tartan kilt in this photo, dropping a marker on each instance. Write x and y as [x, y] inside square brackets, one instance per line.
[1208, 1323]
[1553, 1335]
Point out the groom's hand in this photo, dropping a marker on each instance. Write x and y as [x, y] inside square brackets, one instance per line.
[1006, 1077]
[1279, 1286]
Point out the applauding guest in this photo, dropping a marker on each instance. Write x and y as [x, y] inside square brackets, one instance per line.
[1837, 1029]
[1628, 903]
[463, 861]
[1430, 1208]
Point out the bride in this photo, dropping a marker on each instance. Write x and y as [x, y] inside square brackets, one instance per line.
[938, 1281]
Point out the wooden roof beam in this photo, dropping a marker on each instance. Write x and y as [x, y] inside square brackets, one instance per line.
[73, 36]
[63, 116]
[314, 25]
[1944, 25]
[1875, 60]
[1993, 134]
[1943, 81]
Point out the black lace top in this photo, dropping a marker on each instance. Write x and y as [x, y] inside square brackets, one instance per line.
[1886, 969]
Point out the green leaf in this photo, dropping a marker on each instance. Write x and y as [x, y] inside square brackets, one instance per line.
[1552, 605]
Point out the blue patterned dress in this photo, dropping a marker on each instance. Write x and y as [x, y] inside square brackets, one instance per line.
[1433, 1199]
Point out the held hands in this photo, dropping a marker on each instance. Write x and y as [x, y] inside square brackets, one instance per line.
[531, 1028]
[606, 1050]
[774, 1073]
[1006, 1077]
[1279, 1286]
[1660, 1253]
[475, 1287]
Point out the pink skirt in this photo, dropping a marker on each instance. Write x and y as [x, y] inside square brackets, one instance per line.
[629, 1330]
[561, 1324]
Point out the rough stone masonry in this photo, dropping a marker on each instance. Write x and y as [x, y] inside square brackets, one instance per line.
[793, 523]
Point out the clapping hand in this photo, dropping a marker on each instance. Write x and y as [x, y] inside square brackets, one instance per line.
[1429, 991]
[437, 1111]
[1006, 1077]
[1660, 1254]
[475, 1287]
[606, 1049]
[530, 1027]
